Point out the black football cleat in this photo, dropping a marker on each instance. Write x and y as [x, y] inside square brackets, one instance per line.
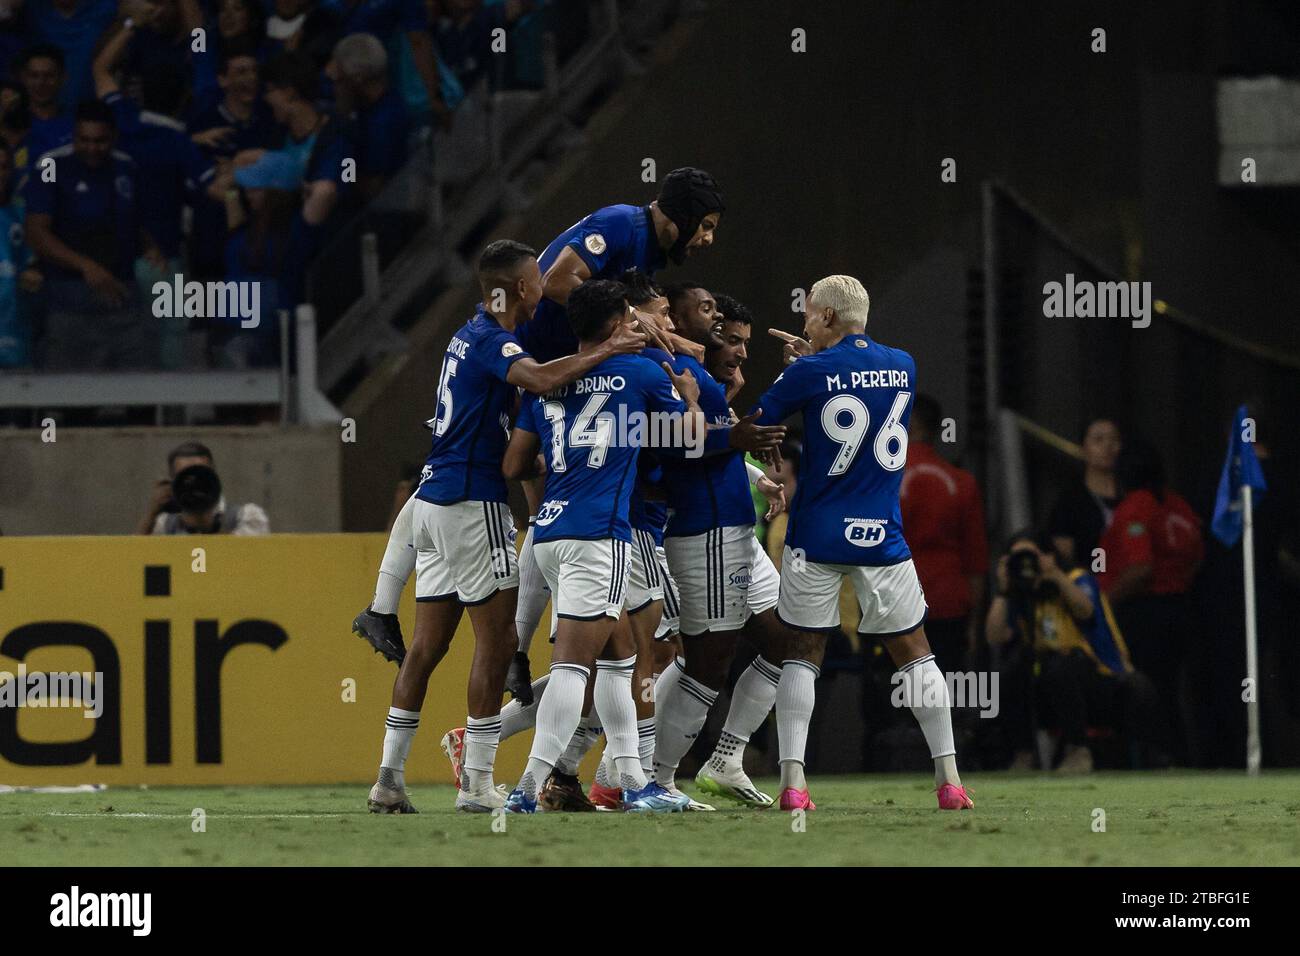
[518, 679]
[562, 793]
[383, 632]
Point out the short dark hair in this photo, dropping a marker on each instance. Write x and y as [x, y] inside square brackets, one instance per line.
[294, 71]
[95, 111]
[927, 412]
[592, 304]
[732, 309]
[189, 449]
[233, 49]
[41, 51]
[677, 291]
[502, 256]
[640, 287]
[1039, 539]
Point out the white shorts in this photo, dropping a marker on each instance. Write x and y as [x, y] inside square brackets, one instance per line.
[464, 550]
[891, 598]
[645, 582]
[670, 623]
[588, 579]
[723, 577]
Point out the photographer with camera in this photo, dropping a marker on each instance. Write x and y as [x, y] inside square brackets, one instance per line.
[191, 502]
[1054, 630]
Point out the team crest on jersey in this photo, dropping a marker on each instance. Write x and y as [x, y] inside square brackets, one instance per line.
[860, 343]
[511, 348]
[595, 243]
[549, 511]
[864, 532]
[741, 578]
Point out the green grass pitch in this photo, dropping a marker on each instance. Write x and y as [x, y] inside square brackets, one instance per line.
[1176, 819]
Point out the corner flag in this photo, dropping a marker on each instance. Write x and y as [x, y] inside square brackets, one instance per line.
[1241, 467]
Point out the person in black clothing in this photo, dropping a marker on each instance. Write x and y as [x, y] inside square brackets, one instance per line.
[1083, 510]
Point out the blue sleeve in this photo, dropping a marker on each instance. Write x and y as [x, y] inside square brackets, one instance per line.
[1088, 585]
[125, 111]
[788, 394]
[657, 387]
[601, 237]
[328, 161]
[498, 351]
[527, 418]
[199, 168]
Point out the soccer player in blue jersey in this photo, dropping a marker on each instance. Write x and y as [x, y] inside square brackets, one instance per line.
[582, 538]
[681, 221]
[727, 583]
[461, 525]
[856, 399]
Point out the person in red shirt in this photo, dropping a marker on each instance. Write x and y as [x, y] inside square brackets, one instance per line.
[943, 523]
[1152, 551]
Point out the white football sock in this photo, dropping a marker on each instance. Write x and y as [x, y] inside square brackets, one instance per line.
[925, 692]
[795, 696]
[533, 594]
[751, 702]
[584, 738]
[666, 683]
[482, 734]
[557, 718]
[613, 699]
[516, 718]
[399, 732]
[678, 722]
[645, 746]
[398, 563]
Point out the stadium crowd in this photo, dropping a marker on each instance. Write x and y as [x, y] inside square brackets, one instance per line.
[218, 140]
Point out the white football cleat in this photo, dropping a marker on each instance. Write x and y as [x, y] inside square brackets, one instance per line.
[385, 800]
[484, 800]
[729, 780]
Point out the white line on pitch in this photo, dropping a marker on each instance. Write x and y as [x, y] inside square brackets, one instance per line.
[211, 816]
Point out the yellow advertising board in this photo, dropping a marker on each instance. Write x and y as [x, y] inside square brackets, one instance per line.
[230, 664]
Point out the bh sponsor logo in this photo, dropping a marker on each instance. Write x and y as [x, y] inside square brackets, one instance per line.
[864, 532]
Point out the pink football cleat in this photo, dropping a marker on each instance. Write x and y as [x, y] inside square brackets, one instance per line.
[608, 798]
[954, 798]
[792, 799]
[453, 745]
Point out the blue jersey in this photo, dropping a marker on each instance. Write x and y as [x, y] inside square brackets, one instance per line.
[590, 461]
[472, 421]
[610, 241]
[711, 491]
[856, 399]
[645, 514]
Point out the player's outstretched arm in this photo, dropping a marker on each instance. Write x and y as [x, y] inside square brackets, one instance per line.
[795, 347]
[761, 441]
[521, 462]
[540, 378]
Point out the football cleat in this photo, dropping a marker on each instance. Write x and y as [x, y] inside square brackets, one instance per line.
[954, 798]
[518, 679]
[383, 632]
[518, 802]
[607, 798]
[453, 745]
[692, 806]
[562, 793]
[729, 780]
[480, 801]
[384, 800]
[652, 798]
[792, 799]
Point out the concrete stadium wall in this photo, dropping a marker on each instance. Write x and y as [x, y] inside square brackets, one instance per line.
[98, 480]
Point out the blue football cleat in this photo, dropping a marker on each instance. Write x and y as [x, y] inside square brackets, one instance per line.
[652, 798]
[517, 802]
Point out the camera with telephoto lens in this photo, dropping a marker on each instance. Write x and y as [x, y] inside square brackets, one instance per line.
[1025, 577]
[196, 489]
